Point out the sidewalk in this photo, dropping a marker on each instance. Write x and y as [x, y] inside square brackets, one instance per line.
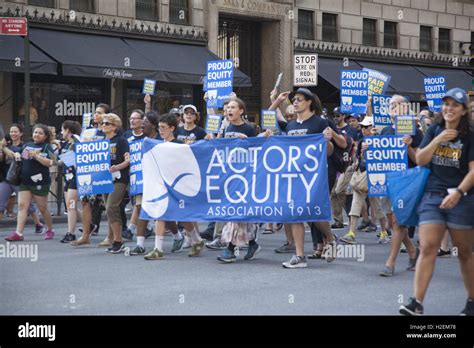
[62, 219]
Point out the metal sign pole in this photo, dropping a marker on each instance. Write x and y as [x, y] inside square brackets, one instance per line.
[27, 131]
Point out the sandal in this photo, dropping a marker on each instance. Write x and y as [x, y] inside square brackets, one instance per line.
[317, 254]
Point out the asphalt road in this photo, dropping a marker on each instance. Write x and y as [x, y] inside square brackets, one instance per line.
[76, 281]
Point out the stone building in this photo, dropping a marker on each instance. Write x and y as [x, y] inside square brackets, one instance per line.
[90, 51]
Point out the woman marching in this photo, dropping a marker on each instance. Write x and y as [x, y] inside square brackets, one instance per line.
[448, 200]
[70, 131]
[167, 126]
[308, 121]
[36, 158]
[238, 233]
[7, 153]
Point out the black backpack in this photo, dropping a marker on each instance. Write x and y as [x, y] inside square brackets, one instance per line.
[342, 157]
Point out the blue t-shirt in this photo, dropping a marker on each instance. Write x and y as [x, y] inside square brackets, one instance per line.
[233, 131]
[131, 137]
[118, 148]
[191, 136]
[450, 162]
[350, 131]
[417, 139]
[312, 125]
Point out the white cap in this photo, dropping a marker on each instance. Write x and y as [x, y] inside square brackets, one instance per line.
[367, 121]
[191, 107]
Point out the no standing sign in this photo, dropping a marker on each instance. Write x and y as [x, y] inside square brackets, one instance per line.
[13, 26]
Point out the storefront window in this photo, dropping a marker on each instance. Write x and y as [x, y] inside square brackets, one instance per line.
[165, 98]
[53, 103]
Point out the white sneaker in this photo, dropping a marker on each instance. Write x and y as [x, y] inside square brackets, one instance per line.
[295, 262]
[187, 242]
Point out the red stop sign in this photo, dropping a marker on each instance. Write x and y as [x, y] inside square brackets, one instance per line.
[13, 26]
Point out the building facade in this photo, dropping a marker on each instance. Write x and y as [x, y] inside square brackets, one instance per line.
[407, 39]
[84, 52]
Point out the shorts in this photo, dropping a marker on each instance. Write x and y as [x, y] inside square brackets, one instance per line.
[460, 217]
[386, 205]
[358, 202]
[37, 190]
[70, 184]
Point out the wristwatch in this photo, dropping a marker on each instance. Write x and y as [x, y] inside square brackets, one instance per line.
[461, 192]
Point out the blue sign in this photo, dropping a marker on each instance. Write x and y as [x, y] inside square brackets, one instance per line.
[219, 82]
[92, 168]
[149, 87]
[275, 179]
[269, 119]
[385, 154]
[136, 176]
[435, 89]
[381, 110]
[378, 81]
[405, 125]
[204, 84]
[354, 91]
[213, 123]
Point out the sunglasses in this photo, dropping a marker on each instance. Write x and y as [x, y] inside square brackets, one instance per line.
[107, 124]
[298, 99]
[365, 126]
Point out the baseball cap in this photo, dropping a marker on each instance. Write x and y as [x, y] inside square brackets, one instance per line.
[459, 95]
[337, 111]
[174, 111]
[189, 106]
[367, 121]
[354, 115]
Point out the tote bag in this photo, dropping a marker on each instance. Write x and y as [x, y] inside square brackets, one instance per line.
[406, 190]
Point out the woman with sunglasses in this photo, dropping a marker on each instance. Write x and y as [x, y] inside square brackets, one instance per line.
[119, 163]
[190, 132]
[308, 121]
[448, 200]
[167, 126]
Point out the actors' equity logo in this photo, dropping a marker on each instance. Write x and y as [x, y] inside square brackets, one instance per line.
[185, 178]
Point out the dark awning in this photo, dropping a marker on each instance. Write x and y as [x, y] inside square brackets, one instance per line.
[12, 47]
[181, 63]
[405, 78]
[330, 70]
[454, 77]
[88, 55]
